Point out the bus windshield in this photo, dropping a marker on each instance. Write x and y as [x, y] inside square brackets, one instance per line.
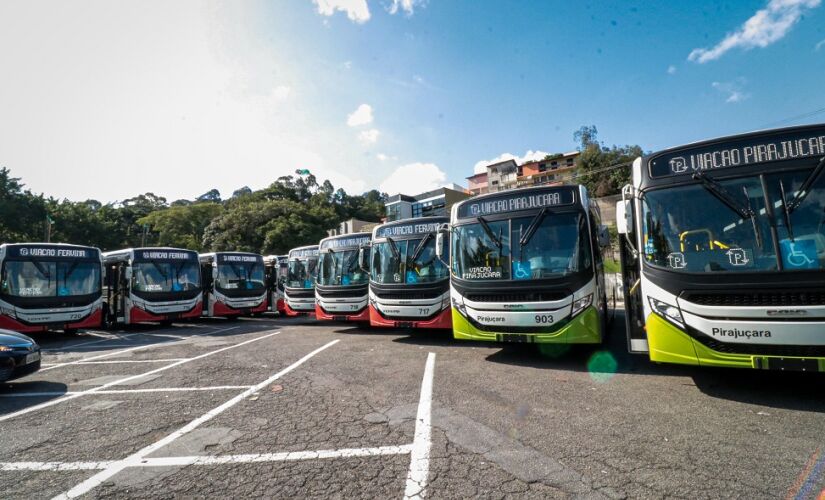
[283, 269]
[690, 229]
[340, 268]
[415, 261]
[537, 247]
[240, 276]
[37, 278]
[302, 272]
[163, 276]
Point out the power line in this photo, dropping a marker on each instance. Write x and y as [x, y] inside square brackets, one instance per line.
[793, 118]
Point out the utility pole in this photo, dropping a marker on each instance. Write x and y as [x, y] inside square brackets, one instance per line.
[49, 222]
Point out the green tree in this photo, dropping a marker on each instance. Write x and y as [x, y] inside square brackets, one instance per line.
[23, 214]
[603, 170]
[181, 226]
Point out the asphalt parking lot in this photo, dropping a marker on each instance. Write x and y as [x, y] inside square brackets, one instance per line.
[274, 407]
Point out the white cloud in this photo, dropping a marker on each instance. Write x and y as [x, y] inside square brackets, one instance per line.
[732, 91]
[281, 93]
[819, 45]
[530, 155]
[356, 10]
[361, 116]
[406, 5]
[369, 136]
[414, 178]
[765, 27]
[383, 157]
[671, 70]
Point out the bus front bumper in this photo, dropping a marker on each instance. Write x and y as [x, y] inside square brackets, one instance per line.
[585, 328]
[669, 344]
[359, 316]
[442, 321]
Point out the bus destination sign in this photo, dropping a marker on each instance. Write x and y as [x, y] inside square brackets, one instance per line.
[234, 257]
[302, 253]
[349, 242]
[514, 201]
[165, 255]
[411, 229]
[52, 252]
[754, 150]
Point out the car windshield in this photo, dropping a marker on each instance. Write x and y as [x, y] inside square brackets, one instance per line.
[302, 272]
[340, 268]
[556, 246]
[240, 276]
[688, 229]
[415, 262]
[164, 276]
[37, 278]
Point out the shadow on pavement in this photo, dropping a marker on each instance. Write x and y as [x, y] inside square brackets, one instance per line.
[8, 404]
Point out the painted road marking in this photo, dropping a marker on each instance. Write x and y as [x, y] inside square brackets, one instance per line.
[420, 456]
[137, 348]
[118, 361]
[138, 457]
[127, 379]
[127, 391]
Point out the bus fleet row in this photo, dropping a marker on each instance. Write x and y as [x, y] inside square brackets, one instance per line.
[721, 244]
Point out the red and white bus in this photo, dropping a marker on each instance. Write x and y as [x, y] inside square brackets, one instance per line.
[46, 286]
[151, 284]
[234, 284]
[299, 289]
[342, 287]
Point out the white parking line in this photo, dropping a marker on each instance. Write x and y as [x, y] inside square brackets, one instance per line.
[116, 362]
[140, 456]
[420, 456]
[127, 379]
[137, 348]
[126, 391]
[216, 460]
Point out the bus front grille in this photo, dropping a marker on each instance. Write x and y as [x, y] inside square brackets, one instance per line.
[813, 351]
[758, 299]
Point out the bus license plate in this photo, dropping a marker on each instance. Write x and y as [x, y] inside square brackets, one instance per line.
[793, 364]
[31, 358]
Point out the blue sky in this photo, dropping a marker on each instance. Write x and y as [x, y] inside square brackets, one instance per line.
[407, 97]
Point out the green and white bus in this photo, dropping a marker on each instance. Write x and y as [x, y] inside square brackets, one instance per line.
[526, 266]
[723, 252]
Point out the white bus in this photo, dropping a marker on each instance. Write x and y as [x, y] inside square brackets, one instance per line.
[526, 266]
[342, 287]
[723, 252]
[152, 284]
[45, 286]
[409, 284]
[299, 289]
[234, 284]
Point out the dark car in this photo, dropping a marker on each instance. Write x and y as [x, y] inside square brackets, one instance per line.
[19, 355]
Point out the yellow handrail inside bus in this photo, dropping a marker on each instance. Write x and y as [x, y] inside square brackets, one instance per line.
[711, 240]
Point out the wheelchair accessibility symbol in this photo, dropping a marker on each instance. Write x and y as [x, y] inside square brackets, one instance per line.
[800, 254]
[522, 270]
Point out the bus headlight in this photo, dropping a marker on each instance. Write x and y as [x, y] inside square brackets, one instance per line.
[458, 304]
[581, 304]
[667, 311]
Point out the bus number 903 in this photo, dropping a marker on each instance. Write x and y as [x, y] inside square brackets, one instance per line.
[544, 319]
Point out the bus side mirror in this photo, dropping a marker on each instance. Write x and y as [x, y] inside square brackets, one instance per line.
[214, 273]
[443, 232]
[623, 217]
[604, 236]
[363, 258]
[127, 274]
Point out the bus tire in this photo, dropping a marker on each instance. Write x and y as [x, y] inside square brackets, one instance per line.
[166, 322]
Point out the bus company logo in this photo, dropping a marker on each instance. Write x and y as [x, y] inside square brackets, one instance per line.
[514, 306]
[491, 319]
[678, 165]
[786, 312]
[516, 203]
[241, 258]
[736, 333]
[24, 252]
[408, 229]
[52, 252]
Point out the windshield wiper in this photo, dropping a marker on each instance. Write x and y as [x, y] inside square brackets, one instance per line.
[394, 248]
[804, 189]
[420, 248]
[532, 228]
[489, 231]
[786, 212]
[722, 194]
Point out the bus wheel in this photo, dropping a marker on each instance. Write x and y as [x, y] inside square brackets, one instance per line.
[166, 322]
[70, 331]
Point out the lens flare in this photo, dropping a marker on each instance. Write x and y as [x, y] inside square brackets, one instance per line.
[602, 366]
